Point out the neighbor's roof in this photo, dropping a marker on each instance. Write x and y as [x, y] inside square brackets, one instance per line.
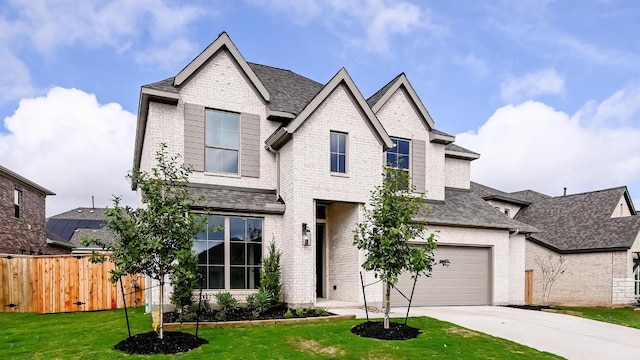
[68, 226]
[464, 208]
[231, 198]
[582, 222]
[24, 180]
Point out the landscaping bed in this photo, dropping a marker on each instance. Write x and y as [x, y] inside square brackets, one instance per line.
[244, 314]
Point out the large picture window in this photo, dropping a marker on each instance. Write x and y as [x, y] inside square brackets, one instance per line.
[222, 141]
[230, 252]
[338, 152]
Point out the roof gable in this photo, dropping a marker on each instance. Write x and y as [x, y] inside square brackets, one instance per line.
[283, 134]
[377, 100]
[222, 42]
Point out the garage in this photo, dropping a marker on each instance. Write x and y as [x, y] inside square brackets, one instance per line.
[466, 281]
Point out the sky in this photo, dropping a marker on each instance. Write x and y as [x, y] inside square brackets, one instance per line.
[548, 92]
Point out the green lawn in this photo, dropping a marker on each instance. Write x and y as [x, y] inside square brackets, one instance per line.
[92, 336]
[620, 316]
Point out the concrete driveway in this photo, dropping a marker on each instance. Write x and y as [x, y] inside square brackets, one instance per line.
[565, 335]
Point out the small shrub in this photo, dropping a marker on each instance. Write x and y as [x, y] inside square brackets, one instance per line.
[270, 275]
[288, 314]
[203, 307]
[301, 312]
[259, 303]
[187, 317]
[226, 302]
[322, 312]
[184, 280]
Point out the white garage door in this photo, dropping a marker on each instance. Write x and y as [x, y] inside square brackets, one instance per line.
[466, 281]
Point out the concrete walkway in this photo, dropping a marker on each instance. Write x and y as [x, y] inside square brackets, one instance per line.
[565, 335]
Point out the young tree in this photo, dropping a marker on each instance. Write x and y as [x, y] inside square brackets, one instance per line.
[552, 268]
[389, 224]
[156, 239]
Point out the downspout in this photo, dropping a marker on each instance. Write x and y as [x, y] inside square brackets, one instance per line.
[515, 232]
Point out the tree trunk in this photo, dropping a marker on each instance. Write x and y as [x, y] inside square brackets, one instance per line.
[161, 317]
[387, 305]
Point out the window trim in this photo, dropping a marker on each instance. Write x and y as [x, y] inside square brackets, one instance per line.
[17, 203]
[227, 251]
[409, 157]
[346, 152]
[238, 150]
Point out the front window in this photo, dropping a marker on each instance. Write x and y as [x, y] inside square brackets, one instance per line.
[229, 252]
[17, 202]
[338, 152]
[636, 276]
[222, 141]
[398, 156]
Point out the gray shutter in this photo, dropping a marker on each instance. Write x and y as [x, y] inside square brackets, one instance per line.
[194, 125]
[418, 164]
[250, 145]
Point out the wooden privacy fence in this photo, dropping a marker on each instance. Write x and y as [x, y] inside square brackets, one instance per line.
[62, 283]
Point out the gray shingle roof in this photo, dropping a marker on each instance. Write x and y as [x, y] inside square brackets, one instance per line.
[582, 222]
[375, 97]
[289, 91]
[464, 208]
[530, 195]
[163, 85]
[72, 226]
[442, 133]
[458, 148]
[229, 198]
[489, 193]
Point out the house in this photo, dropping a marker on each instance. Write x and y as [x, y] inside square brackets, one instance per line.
[70, 228]
[280, 157]
[596, 233]
[22, 215]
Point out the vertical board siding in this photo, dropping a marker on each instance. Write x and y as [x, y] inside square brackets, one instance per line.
[418, 164]
[194, 128]
[63, 283]
[250, 145]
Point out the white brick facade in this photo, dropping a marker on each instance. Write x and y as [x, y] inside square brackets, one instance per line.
[300, 171]
[592, 279]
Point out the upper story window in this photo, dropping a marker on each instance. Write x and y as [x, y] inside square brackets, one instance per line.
[222, 141]
[507, 212]
[338, 152]
[17, 202]
[398, 155]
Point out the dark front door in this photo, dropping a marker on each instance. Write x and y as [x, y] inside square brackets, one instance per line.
[320, 260]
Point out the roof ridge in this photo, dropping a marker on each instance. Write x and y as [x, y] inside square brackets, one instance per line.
[623, 187]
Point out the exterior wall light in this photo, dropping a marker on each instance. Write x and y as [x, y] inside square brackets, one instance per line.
[305, 234]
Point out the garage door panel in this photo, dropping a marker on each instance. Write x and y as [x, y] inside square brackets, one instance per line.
[464, 282]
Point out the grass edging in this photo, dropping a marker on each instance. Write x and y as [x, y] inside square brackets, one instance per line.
[188, 325]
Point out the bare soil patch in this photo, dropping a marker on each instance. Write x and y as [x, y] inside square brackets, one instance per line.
[395, 331]
[149, 343]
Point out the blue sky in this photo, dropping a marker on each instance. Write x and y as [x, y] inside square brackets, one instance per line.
[547, 91]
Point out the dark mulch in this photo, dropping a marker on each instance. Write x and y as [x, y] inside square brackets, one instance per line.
[376, 330]
[239, 314]
[149, 343]
[530, 307]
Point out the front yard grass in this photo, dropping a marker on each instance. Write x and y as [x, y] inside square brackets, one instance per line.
[92, 336]
[621, 316]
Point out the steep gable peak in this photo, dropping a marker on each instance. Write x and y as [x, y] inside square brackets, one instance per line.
[377, 100]
[342, 77]
[222, 42]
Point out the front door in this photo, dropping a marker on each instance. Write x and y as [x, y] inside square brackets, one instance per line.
[320, 248]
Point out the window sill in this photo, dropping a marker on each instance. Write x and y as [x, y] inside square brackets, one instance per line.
[237, 176]
[344, 175]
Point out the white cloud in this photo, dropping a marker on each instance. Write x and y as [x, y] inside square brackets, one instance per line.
[74, 146]
[364, 25]
[475, 64]
[529, 86]
[166, 56]
[533, 146]
[15, 80]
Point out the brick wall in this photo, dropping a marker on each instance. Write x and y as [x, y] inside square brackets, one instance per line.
[25, 234]
[592, 279]
[457, 173]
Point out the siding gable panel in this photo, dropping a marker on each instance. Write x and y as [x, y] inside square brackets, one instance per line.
[250, 145]
[194, 136]
[418, 164]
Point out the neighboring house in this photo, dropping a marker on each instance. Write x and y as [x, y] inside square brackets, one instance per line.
[70, 228]
[597, 233]
[22, 215]
[280, 157]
